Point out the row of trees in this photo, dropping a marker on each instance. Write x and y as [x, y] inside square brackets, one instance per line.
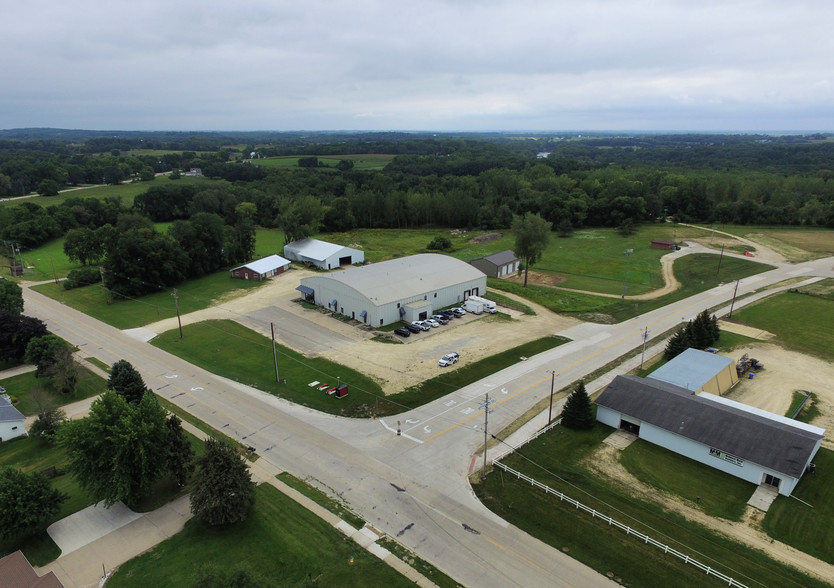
[700, 333]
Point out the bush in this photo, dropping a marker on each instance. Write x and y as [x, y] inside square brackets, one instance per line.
[83, 276]
[440, 243]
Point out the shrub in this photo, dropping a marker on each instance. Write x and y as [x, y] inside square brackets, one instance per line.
[440, 243]
[83, 276]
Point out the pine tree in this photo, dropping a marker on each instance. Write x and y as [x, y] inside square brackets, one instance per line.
[678, 343]
[716, 331]
[578, 413]
[701, 331]
[126, 381]
[223, 491]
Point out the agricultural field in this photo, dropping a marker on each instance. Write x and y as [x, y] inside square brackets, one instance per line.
[364, 161]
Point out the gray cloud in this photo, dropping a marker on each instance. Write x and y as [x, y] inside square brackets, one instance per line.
[368, 64]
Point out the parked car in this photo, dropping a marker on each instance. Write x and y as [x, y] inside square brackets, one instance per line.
[447, 313]
[431, 322]
[448, 359]
[459, 312]
[402, 332]
[422, 325]
[440, 319]
[413, 328]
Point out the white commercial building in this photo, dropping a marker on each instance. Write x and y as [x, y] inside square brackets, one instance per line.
[323, 254]
[746, 442]
[405, 289]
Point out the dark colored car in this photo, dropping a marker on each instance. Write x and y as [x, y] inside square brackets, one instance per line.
[403, 332]
[447, 313]
[413, 328]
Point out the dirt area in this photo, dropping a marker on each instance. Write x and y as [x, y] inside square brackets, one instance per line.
[397, 365]
[771, 389]
[758, 247]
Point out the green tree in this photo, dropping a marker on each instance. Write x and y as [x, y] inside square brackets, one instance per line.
[679, 342]
[531, 235]
[222, 491]
[119, 450]
[84, 245]
[47, 425]
[29, 500]
[11, 297]
[126, 382]
[146, 174]
[578, 413]
[16, 330]
[180, 453]
[48, 187]
[63, 370]
[440, 243]
[300, 218]
[42, 352]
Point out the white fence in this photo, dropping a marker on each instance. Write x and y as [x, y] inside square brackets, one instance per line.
[629, 531]
[525, 442]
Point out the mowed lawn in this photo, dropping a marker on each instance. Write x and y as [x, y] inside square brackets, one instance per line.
[24, 390]
[802, 322]
[280, 543]
[556, 459]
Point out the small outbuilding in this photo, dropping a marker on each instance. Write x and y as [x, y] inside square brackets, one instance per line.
[323, 254]
[746, 442]
[664, 244]
[498, 265]
[405, 289]
[699, 371]
[11, 421]
[262, 268]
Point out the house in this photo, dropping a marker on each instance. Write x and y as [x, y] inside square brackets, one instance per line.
[498, 265]
[699, 371]
[664, 244]
[746, 442]
[262, 268]
[11, 420]
[322, 254]
[17, 572]
[404, 289]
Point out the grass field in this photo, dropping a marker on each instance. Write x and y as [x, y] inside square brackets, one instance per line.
[249, 361]
[555, 459]
[802, 322]
[125, 314]
[280, 543]
[20, 389]
[365, 161]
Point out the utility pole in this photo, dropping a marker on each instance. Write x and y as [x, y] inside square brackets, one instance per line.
[645, 337]
[550, 410]
[627, 253]
[177, 304]
[54, 275]
[485, 406]
[720, 257]
[274, 353]
[734, 300]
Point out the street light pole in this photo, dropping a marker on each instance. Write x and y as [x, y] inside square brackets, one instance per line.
[734, 300]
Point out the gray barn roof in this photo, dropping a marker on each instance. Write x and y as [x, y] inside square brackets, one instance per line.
[9, 413]
[691, 369]
[501, 258]
[398, 279]
[313, 248]
[755, 437]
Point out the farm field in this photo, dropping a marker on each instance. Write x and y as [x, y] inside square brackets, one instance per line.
[364, 161]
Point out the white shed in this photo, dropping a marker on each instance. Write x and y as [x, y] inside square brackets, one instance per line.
[404, 289]
[746, 442]
[323, 254]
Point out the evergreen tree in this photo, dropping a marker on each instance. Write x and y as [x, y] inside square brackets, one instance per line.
[578, 413]
[678, 343]
[180, 453]
[126, 381]
[223, 492]
[701, 330]
[716, 331]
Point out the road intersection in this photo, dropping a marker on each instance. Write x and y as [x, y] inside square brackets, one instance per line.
[413, 486]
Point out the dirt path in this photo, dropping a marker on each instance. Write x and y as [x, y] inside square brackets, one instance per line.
[605, 461]
[763, 252]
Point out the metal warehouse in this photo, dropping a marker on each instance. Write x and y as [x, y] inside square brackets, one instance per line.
[406, 289]
[322, 254]
[698, 371]
[746, 442]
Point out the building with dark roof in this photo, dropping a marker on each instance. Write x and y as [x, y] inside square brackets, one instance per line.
[746, 442]
[17, 572]
[498, 265]
[404, 289]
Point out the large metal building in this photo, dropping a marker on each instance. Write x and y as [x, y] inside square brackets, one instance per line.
[746, 442]
[322, 254]
[699, 371]
[405, 289]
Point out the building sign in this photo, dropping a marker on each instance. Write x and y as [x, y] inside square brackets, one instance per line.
[729, 457]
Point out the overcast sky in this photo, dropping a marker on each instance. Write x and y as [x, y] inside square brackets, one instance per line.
[537, 65]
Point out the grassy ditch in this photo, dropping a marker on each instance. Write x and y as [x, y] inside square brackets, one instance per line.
[279, 544]
[556, 459]
[337, 507]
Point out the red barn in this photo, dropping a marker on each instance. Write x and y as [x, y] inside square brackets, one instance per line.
[262, 268]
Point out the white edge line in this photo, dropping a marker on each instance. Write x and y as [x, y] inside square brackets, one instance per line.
[409, 437]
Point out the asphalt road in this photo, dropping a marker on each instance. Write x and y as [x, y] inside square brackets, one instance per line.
[414, 486]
